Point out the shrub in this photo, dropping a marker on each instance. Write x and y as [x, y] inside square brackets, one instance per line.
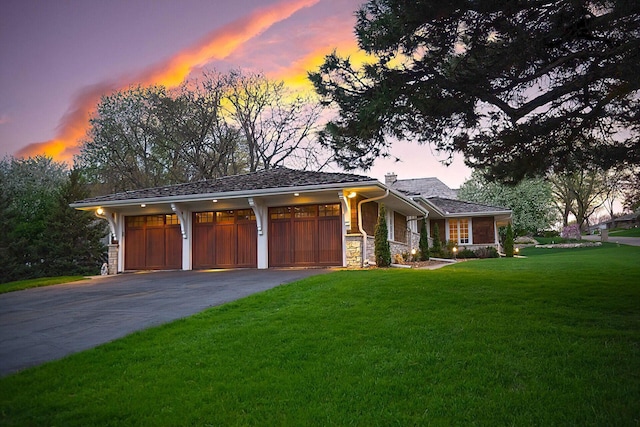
[467, 253]
[508, 242]
[437, 243]
[382, 248]
[488, 252]
[571, 232]
[424, 241]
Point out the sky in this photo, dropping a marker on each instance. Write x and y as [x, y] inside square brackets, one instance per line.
[58, 57]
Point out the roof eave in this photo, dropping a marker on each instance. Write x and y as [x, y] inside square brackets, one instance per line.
[224, 195]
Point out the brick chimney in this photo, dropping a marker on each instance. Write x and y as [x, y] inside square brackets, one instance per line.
[390, 179]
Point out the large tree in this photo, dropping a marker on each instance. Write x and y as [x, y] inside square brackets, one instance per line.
[516, 86]
[217, 125]
[531, 200]
[583, 192]
[40, 235]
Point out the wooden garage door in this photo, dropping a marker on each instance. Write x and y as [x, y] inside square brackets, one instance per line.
[225, 239]
[305, 235]
[153, 242]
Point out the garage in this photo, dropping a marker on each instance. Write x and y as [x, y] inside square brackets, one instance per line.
[153, 242]
[305, 235]
[225, 239]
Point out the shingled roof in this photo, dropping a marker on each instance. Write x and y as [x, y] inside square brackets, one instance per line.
[425, 187]
[273, 178]
[450, 206]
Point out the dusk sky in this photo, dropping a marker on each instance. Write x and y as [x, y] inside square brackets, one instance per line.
[58, 57]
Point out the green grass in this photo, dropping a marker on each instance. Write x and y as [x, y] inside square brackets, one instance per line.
[551, 339]
[631, 232]
[36, 283]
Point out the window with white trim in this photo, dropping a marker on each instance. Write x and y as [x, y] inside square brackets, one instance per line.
[459, 231]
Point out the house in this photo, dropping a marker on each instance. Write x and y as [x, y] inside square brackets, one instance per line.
[624, 221]
[467, 224]
[274, 218]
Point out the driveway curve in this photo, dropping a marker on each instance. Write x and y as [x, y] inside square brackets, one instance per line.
[623, 240]
[43, 324]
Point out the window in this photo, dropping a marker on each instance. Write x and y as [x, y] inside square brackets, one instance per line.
[305, 211]
[204, 217]
[135, 221]
[280, 213]
[223, 217]
[172, 219]
[246, 215]
[459, 231]
[155, 220]
[329, 210]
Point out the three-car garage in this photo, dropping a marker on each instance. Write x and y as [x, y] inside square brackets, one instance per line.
[304, 235]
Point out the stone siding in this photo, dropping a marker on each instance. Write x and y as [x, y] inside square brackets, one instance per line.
[113, 258]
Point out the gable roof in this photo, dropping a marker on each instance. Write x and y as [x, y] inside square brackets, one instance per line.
[280, 177]
[425, 187]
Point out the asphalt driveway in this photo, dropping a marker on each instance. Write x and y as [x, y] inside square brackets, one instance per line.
[42, 324]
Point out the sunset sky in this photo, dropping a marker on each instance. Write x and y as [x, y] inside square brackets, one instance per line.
[58, 57]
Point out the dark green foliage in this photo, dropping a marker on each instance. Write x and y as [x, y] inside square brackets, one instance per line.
[466, 253]
[518, 87]
[382, 247]
[437, 243]
[40, 234]
[424, 241]
[488, 252]
[74, 237]
[508, 242]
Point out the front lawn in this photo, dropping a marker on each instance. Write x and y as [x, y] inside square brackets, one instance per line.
[551, 339]
[36, 283]
[631, 232]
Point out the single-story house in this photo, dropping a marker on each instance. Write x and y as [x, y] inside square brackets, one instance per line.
[469, 225]
[274, 218]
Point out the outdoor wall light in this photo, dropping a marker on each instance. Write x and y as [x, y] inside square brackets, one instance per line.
[99, 211]
[351, 195]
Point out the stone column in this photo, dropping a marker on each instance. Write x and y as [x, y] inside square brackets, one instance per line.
[113, 258]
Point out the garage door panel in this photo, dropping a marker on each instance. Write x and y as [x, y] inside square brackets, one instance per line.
[173, 247]
[305, 235]
[153, 242]
[134, 249]
[280, 243]
[225, 245]
[155, 247]
[247, 248]
[305, 242]
[203, 246]
[329, 241]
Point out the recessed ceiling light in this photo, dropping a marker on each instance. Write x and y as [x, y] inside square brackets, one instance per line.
[143, 205]
[100, 211]
[352, 195]
[215, 200]
[296, 194]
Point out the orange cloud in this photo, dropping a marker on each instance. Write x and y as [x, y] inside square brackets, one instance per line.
[217, 45]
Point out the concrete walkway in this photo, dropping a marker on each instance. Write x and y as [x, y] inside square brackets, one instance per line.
[42, 324]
